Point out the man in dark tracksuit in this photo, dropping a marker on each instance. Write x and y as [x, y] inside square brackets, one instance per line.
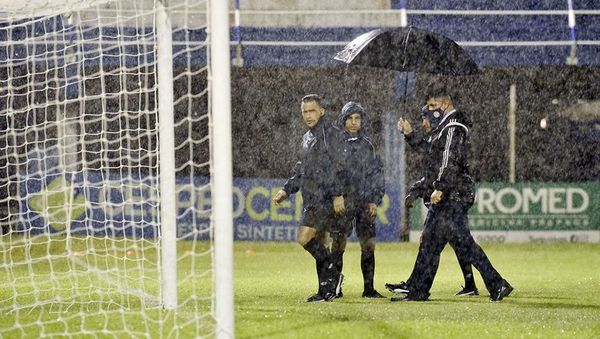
[466, 194]
[446, 175]
[319, 174]
[364, 192]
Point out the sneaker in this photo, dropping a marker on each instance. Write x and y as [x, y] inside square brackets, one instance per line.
[401, 287]
[502, 292]
[333, 287]
[467, 291]
[339, 295]
[315, 298]
[408, 297]
[371, 294]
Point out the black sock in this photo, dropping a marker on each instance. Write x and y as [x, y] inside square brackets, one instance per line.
[337, 257]
[319, 266]
[321, 255]
[367, 265]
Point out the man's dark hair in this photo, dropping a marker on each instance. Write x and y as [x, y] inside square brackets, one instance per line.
[437, 89]
[312, 97]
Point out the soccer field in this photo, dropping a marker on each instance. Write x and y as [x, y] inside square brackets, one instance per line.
[556, 295]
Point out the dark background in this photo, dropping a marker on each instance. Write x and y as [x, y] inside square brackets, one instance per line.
[267, 124]
[109, 109]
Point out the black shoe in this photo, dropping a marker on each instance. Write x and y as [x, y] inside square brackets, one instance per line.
[408, 297]
[371, 294]
[467, 291]
[502, 292]
[340, 295]
[333, 287]
[316, 298]
[401, 287]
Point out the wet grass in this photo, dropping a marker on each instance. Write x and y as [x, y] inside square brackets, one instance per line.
[556, 295]
[102, 287]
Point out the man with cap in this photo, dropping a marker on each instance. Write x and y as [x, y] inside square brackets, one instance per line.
[364, 191]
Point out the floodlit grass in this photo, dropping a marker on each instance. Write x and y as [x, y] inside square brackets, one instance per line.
[556, 294]
[102, 287]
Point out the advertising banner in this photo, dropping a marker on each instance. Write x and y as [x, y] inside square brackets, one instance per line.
[128, 206]
[530, 212]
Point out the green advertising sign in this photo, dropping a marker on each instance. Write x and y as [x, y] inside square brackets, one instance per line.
[530, 207]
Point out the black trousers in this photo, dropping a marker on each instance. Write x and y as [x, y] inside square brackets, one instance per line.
[447, 222]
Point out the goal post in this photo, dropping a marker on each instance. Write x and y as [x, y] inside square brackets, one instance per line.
[220, 59]
[168, 209]
[115, 169]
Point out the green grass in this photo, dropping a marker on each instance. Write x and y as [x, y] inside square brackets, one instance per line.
[556, 294]
[106, 287]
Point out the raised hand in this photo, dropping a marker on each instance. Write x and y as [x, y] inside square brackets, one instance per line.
[404, 126]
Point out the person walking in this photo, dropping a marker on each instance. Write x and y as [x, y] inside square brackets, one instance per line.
[446, 173]
[319, 174]
[418, 189]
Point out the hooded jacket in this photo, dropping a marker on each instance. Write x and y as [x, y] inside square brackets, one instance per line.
[366, 183]
[446, 165]
[320, 172]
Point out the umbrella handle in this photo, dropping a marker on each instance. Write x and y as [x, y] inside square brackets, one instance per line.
[403, 65]
[405, 90]
[406, 46]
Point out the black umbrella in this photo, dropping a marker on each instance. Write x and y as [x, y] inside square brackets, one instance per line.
[408, 49]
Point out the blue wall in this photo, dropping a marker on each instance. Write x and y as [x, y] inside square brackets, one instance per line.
[457, 27]
[495, 5]
[467, 28]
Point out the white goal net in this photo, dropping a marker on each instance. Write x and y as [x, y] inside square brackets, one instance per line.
[87, 246]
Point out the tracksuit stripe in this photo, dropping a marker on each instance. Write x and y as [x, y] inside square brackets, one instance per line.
[447, 150]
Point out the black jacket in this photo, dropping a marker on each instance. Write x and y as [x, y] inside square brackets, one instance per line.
[446, 165]
[366, 182]
[320, 172]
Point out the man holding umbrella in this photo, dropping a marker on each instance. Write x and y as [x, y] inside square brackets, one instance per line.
[419, 140]
[409, 49]
[446, 179]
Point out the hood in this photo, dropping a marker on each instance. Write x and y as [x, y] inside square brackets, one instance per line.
[349, 108]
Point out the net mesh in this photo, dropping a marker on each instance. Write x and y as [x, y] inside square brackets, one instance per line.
[79, 170]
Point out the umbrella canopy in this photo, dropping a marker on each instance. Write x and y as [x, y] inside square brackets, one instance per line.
[408, 49]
